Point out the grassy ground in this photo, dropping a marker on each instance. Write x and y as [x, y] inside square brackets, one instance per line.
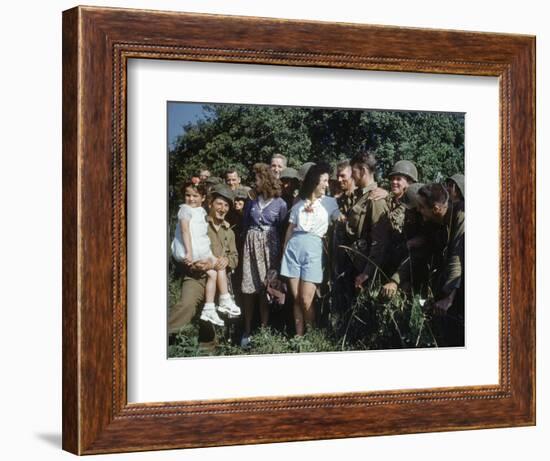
[371, 323]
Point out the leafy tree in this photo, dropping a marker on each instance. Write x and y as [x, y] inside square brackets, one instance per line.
[241, 135]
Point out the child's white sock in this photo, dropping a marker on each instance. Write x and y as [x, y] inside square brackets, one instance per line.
[225, 297]
[209, 307]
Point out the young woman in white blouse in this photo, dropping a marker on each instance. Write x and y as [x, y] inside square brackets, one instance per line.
[303, 249]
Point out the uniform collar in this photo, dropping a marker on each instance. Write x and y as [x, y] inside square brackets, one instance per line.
[224, 223]
[366, 190]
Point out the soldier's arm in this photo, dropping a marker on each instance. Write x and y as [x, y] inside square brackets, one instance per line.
[403, 272]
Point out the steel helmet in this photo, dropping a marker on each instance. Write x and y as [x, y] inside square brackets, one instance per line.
[458, 179]
[405, 168]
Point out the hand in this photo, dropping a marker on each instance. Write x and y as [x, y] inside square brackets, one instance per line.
[389, 289]
[378, 194]
[360, 279]
[203, 265]
[221, 263]
[188, 260]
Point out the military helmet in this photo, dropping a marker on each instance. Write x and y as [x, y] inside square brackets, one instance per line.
[410, 198]
[405, 168]
[458, 179]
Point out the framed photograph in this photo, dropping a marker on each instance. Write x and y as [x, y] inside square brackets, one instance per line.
[264, 230]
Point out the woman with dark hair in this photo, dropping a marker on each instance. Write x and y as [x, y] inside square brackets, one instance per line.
[303, 249]
[262, 220]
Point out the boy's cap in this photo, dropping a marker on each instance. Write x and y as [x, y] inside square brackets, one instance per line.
[223, 191]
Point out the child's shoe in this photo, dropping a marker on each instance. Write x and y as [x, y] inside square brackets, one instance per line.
[209, 314]
[228, 306]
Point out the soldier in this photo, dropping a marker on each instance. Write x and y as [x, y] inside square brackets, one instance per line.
[404, 222]
[347, 185]
[233, 181]
[210, 183]
[222, 241]
[412, 270]
[342, 290]
[204, 174]
[368, 226]
[291, 184]
[448, 261]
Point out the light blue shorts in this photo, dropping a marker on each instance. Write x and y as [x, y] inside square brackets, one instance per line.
[303, 257]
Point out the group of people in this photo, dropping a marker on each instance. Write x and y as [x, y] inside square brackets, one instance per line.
[251, 247]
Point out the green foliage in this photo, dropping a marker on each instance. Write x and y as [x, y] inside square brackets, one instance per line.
[374, 322]
[187, 343]
[264, 341]
[239, 136]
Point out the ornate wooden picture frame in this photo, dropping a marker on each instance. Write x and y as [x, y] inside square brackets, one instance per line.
[97, 44]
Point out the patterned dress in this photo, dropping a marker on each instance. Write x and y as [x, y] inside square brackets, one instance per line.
[262, 221]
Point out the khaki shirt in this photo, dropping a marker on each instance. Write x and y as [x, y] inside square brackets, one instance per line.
[346, 202]
[368, 229]
[222, 242]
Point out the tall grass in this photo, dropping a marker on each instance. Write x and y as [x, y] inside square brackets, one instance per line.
[370, 323]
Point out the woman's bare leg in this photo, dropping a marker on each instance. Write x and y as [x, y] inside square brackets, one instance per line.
[307, 292]
[293, 284]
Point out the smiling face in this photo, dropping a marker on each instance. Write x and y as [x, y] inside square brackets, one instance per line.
[277, 165]
[321, 188]
[345, 179]
[399, 184]
[219, 208]
[232, 180]
[193, 198]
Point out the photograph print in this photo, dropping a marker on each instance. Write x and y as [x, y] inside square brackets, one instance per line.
[307, 229]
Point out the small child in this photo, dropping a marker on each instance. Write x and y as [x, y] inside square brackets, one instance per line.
[191, 244]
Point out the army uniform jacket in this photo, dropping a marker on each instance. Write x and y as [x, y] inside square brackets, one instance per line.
[405, 225]
[368, 231]
[449, 257]
[222, 243]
